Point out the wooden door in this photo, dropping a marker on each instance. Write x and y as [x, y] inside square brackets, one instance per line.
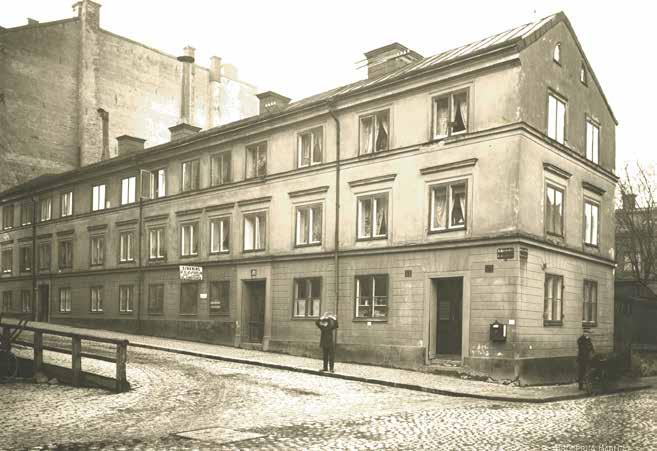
[449, 318]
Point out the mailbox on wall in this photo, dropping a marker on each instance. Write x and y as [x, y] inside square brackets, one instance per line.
[497, 332]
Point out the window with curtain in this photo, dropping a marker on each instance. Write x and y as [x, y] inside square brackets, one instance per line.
[309, 225]
[98, 197]
[27, 212]
[65, 300]
[7, 301]
[189, 239]
[66, 203]
[590, 304]
[128, 190]
[97, 244]
[156, 243]
[372, 296]
[65, 254]
[375, 132]
[255, 231]
[45, 209]
[7, 260]
[156, 299]
[190, 175]
[591, 219]
[220, 235]
[552, 311]
[97, 299]
[220, 298]
[26, 301]
[26, 259]
[220, 168]
[7, 217]
[373, 216]
[256, 160]
[307, 297]
[553, 210]
[127, 246]
[309, 147]
[592, 141]
[43, 254]
[188, 298]
[556, 118]
[158, 183]
[448, 206]
[126, 299]
[450, 114]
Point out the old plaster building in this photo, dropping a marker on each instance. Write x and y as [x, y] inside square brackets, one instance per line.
[69, 87]
[424, 204]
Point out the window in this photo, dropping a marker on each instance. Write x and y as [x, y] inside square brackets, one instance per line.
[255, 231]
[309, 147]
[219, 235]
[556, 54]
[372, 297]
[45, 209]
[220, 298]
[44, 251]
[256, 160]
[189, 239]
[26, 301]
[7, 217]
[220, 168]
[553, 211]
[583, 75]
[590, 305]
[448, 206]
[7, 260]
[307, 297]
[26, 259]
[27, 212]
[309, 225]
[592, 141]
[156, 244]
[450, 114]
[373, 216]
[156, 299]
[375, 132]
[556, 119]
[96, 299]
[64, 300]
[158, 183]
[66, 204]
[188, 298]
[98, 197]
[126, 246]
[190, 175]
[7, 301]
[65, 254]
[553, 299]
[97, 250]
[125, 299]
[128, 188]
[591, 219]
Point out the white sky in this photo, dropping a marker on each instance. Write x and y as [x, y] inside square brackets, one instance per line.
[300, 48]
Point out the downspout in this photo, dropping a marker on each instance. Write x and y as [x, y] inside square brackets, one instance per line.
[336, 253]
[140, 268]
[34, 262]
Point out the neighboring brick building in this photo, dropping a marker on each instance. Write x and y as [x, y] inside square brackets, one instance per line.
[68, 88]
[461, 190]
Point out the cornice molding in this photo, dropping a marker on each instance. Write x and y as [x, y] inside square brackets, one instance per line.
[309, 191]
[449, 166]
[372, 180]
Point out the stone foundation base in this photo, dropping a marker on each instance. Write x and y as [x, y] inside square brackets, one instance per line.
[528, 371]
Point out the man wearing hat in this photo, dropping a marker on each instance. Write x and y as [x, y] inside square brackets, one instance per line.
[327, 323]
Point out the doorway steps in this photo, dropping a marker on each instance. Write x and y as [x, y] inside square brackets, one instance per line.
[446, 366]
[252, 346]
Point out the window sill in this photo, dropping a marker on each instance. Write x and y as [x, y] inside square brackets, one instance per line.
[188, 314]
[96, 265]
[126, 313]
[189, 256]
[220, 253]
[96, 313]
[126, 262]
[64, 313]
[301, 246]
[247, 251]
[305, 318]
[551, 323]
[592, 247]
[448, 230]
[157, 259]
[586, 324]
[376, 238]
[65, 269]
[370, 320]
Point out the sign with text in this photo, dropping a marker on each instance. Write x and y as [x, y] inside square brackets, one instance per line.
[191, 272]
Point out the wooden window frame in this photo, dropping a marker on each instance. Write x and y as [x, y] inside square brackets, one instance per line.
[218, 285]
[28, 303]
[310, 224]
[593, 321]
[356, 298]
[310, 131]
[130, 195]
[67, 302]
[595, 152]
[222, 220]
[129, 245]
[180, 312]
[27, 207]
[66, 198]
[98, 308]
[104, 190]
[5, 220]
[194, 236]
[585, 221]
[256, 149]
[60, 245]
[449, 185]
[310, 299]
[558, 99]
[450, 106]
[151, 294]
[195, 182]
[553, 278]
[7, 269]
[562, 190]
[40, 264]
[374, 114]
[220, 156]
[25, 252]
[102, 250]
[371, 197]
[254, 214]
[126, 306]
[48, 200]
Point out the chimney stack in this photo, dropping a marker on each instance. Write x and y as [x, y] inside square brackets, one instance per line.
[272, 102]
[187, 59]
[215, 69]
[31, 21]
[389, 58]
[89, 11]
[629, 201]
[183, 130]
[129, 145]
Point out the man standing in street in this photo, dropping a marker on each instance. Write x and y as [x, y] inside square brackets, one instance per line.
[327, 323]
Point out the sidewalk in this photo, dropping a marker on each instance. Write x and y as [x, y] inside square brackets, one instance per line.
[412, 380]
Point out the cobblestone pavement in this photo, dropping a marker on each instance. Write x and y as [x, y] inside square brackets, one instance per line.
[175, 393]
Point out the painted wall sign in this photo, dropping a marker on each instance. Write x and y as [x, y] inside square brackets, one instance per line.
[191, 272]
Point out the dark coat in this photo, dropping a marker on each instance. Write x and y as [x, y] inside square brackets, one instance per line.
[584, 348]
[326, 340]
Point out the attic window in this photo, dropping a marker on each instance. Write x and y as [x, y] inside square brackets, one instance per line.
[557, 53]
[583, 76]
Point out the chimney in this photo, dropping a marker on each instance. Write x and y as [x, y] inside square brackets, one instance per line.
[187, 59]
[31, 21]
[271, 102]
[389, 58]
[88, 11]
[183, 130]
[129, 145]
[629, 201]
[215, 69]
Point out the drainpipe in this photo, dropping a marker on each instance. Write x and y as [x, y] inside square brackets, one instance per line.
[336, 254]
[34, 263]
[140, 268]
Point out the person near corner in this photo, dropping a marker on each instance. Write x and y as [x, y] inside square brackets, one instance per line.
[327, 323]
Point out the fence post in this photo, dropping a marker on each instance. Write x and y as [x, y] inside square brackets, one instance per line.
[76, 360]
[38, 351]
[121, 359]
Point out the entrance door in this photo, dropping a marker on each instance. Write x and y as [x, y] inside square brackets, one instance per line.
[449, 315]
[44, 302]
[256, 310]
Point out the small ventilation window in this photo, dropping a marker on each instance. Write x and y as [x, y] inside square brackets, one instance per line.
[556, 55]
[583, 76]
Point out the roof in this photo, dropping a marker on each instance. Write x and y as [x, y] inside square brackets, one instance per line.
[520, 35]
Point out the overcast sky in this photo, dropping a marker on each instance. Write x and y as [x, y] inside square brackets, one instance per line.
[300, 48]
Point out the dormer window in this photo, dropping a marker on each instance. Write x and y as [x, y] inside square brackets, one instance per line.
[556, 55]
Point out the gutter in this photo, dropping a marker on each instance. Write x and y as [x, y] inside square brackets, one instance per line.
[337, 213]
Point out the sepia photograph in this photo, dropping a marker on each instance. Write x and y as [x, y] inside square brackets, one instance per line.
[286, 225]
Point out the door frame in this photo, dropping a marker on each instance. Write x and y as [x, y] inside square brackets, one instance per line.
[245, 294]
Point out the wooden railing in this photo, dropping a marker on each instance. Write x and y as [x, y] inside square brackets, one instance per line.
[76, 351]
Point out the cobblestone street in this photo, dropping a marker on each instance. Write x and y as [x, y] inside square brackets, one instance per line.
[284, 410]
